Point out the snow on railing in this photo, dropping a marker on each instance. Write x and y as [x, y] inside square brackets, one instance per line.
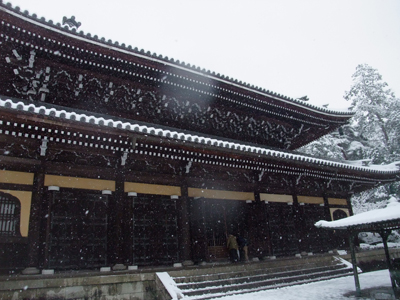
[170, 285]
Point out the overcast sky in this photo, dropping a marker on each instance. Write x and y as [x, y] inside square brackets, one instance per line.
[291, 47]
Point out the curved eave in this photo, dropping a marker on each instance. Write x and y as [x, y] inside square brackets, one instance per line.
[383, 218]
[370, 227]
[223, 145]
[285, 103]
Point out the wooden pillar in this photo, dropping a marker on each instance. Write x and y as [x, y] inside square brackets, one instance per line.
[385, 234]
[351, 213]
[354, 262]
[117, 215]
[260, 243]
[327, 211]
[332, 237]
[47, 208]
[128, 226]
[348, 200]
[299, 223]
[35, 221]
[198, 224]
[184, 240]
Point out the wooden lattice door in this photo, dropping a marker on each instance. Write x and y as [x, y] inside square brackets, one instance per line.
[282, 225]
[311, 238]
[155, 236]
[78, 231]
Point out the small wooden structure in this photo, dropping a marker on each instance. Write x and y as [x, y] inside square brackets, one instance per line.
[381, 221]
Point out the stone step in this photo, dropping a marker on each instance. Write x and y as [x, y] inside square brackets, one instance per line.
[244, 271]
[229, 279]
[252, 283]
[215, 294]
[243, 277]
[289, 263]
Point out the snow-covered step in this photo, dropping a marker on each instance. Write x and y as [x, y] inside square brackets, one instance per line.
[242, 278]
[251, 279]
[255, 284]
[263, 288]
[240, 273]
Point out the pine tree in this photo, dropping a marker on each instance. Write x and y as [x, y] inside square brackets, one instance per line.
[373, 135]
[373, 103]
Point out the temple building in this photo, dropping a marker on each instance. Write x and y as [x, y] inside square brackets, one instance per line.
[113, 157]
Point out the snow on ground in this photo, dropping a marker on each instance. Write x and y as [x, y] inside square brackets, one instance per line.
[340, 288]
[365, 246]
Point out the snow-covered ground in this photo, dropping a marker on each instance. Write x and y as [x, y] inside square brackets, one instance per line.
[340, 288]
[364, 246]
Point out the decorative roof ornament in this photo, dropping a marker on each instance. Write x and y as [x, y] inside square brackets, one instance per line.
[71, 22]
[304, 98]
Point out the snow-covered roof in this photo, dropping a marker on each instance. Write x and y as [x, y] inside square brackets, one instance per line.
[383, 217]
[154, 130]
[122, 48]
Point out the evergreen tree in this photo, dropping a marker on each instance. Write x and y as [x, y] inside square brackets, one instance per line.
[373, 103]
[373, 135]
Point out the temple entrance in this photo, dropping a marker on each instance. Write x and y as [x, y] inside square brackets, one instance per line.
[78, 230]
[212, 221]
[155, 234]
[216, 230]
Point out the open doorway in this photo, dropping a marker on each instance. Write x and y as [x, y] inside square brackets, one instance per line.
[212, 221]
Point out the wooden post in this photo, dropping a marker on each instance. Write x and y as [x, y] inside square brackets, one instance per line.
[117, 211]
[184, 240]
[261, 244]
[299, 225]
[348, 200]
[199, 248]
[327, 212]
[49, 206]
[385, 234]
[35, 221]
[128, 226]
[354, 262]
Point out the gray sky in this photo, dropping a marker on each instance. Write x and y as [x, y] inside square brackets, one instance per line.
[291, 47]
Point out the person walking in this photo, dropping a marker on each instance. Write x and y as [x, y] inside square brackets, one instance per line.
[233, 247]
[243, 248]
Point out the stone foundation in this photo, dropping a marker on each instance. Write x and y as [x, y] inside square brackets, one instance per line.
[85, 286]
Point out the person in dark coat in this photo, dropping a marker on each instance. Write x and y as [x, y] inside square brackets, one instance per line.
[233, 247]
[243, 248]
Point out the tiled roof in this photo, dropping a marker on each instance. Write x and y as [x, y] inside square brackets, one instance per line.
[105, 121]
[155, 57]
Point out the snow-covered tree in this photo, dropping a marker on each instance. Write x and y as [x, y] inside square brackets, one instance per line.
[345, 144]
[328, 146]
[372, 136]
[375, 117]
[369, 200]
[377, 123]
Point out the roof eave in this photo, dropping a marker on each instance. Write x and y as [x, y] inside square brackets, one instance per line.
[115, 46]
